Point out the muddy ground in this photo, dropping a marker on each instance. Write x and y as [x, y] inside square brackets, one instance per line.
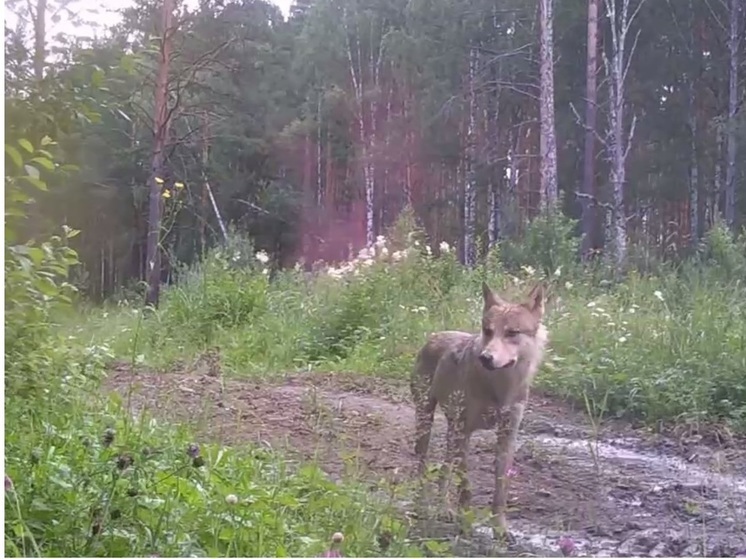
[616, 491]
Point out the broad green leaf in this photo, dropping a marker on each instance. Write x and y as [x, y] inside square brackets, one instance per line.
[25, 144]
[31, 171]
[15, 155]
[37, 182]
[44, 162]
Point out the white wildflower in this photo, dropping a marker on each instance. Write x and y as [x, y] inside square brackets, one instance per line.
[428, 250]
[231, 499]
[622, 339]
[397, 255]
[558, 272]
[367, 263]
[530, 271]
[416, 243]
[632, 310]
[365, 254]
[445, 248]
[265, 271]
[262, 257]
[591, 304]
[568, 285]
[658, 295]
[384, 251]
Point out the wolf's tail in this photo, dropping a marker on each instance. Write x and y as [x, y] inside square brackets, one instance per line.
[424, 404]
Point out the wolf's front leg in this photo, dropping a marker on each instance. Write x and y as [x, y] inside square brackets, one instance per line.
[507, 434]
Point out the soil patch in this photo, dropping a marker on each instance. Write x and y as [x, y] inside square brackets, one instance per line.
[616, 491]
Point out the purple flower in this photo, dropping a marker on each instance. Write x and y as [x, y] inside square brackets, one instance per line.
[567, 546]
[193, 450]
[8, 483]
[512, 472]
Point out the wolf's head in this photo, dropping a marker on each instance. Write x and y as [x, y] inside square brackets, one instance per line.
[512, 332]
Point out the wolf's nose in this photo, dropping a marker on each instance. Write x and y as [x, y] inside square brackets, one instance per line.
[486, 360]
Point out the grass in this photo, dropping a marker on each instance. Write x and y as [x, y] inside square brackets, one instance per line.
[88, 479]
[670, 347]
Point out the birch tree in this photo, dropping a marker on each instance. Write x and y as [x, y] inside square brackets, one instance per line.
[734, 46]
[364, 74]
[470, 187]
[548, 140]
[588, 217]
[619, 136]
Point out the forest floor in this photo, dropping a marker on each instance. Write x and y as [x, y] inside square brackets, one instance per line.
[615, 490]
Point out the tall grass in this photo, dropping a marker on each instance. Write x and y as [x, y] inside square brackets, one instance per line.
[669, 346]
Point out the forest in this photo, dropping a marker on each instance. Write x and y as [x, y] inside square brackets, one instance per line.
[228, 230]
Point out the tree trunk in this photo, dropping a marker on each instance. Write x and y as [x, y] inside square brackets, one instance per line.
[588, 218]
[40, 38]
[618, 142]
[319, 181]
[694, 55]
[470, 187]
[491, 117]
[734, 42]
[161, 124]
[548, 140]
[205, 184]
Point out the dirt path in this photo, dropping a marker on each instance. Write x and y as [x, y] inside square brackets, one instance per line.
[620, 493]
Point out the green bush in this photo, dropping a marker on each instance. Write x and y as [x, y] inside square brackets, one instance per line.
[665, 346]
[84, 478]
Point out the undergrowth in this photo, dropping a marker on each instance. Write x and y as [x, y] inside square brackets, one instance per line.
[84, 478]
[669, 346]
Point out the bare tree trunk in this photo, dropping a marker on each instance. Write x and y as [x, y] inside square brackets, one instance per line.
[493, 109]
[693, 168]
[408, 142]
[40, 38]
[734, 44]
[618, 143]
[205, 185]
[548, 140]
[694, 56]
[366, 125]
[470, 187]
[717, 188]
[588, 218]
[319, 181]
[161, 124]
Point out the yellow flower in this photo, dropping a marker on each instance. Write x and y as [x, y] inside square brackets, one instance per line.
[179, 185]
[158, 180]
[166, 194]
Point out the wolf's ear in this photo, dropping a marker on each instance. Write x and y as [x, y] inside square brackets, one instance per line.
[536, 300]
[490, 298]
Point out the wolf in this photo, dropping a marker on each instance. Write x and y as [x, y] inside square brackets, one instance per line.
[480, 381]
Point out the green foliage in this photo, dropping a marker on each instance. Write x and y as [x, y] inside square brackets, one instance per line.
[724, 254]
[226, 290]
[657, 347]
[548, 244]
[84, 478]
[93, 485]
[36, 274]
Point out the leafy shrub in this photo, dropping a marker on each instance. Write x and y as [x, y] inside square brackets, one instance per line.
[548, 243]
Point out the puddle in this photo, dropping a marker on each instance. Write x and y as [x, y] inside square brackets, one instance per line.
[674, 469]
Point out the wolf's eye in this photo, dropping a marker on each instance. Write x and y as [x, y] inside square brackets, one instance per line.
[512, 333]
[488, 332]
